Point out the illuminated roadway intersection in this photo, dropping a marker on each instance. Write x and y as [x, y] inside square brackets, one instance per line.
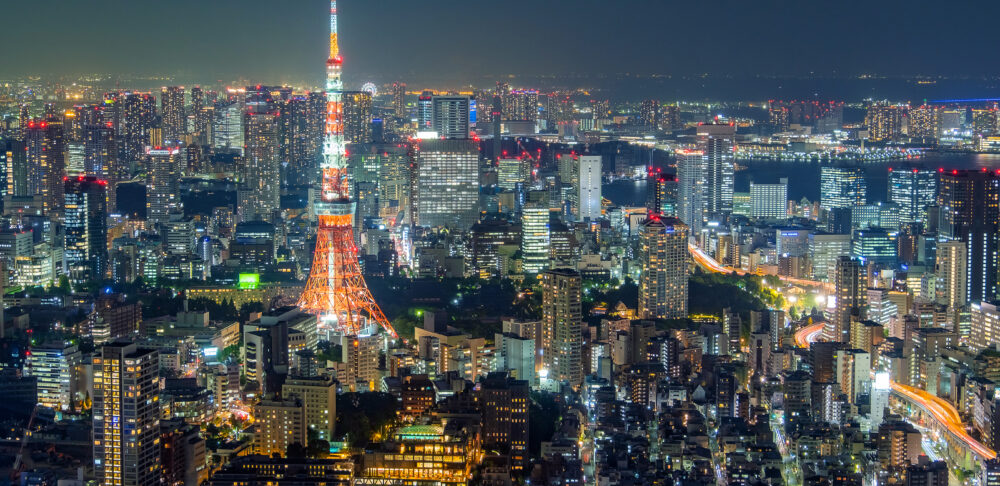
[940, 409]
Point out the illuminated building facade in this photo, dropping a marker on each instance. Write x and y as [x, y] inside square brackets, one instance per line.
[850, 284]
[913, 191]
[925, 122]
[172, 113]
[884, 122]
[535, 237]
[691, 188]
[663, 253]
[589, 187]
[842, 187]
[54, 367]
[46, 161]
[126, 413]
[504, 405]
[447, 183]
[318, 396]
[279, 423]
[649, 113]
[357, 116]
[969, 202]
[399, 99]
[717, 142]
[259, 192]
[661, 196]
[441, 454]
[450, 115]
[769, 201]
[951, 273]
[86, 237]
[513, 171]
[162, 184]
[562, 322]
[984, 122]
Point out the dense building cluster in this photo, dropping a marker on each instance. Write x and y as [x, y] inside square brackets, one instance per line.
[578, 287]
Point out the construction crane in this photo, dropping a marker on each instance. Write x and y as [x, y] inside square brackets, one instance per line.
[15, 472]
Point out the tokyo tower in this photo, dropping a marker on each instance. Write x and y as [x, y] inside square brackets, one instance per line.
[336, 291]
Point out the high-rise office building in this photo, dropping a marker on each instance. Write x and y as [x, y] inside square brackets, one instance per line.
[100, 157]
[535, 237]
[913, 191]
[824, 250]
[260, 180]
[691, 182]
[399, 100]
[172, 113]
[663, 253]
[562, 324]
[842, 187]
[589, 187]
[769, 200]
[357, 116]
[661, 194]
[447, 183]
[126, 410]
[16, 173]
[718, 143]
[951, 274]
[450, 116]
[85, 250]
[513, 171]
[54, 366]
[227, 127]
[425, 112]
[162, 184]
[851, 289]
[46, 159]
[969, 202]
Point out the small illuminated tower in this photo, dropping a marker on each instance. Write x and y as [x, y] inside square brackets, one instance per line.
[336, 291]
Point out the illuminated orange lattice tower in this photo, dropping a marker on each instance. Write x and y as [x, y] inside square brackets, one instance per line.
[336, 291]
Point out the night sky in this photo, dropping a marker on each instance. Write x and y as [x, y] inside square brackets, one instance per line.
[384, 40]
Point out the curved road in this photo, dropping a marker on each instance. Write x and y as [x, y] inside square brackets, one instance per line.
[942, 410]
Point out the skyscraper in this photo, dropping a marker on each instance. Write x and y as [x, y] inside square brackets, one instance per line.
[425, 112]
[450, 116]
[126, 416]
[884, 122]
[86, 236]
[162, 184]
[513, 171]
[54, 366]
[851, 289]
[663, 254]
[913, 191]
[399, 99]
[969, 202]
[357, 117]
[842, 187]
[661, 194]
[260, 187]
[589, 187]
[691, 188]
[227, 127]
[951, 273]
[172, 113]
[447, 183]
[135, 117]
[718, 142]
[649, 113]
[46, 158]
[16, 173]
[562, 324]
[535, 237]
